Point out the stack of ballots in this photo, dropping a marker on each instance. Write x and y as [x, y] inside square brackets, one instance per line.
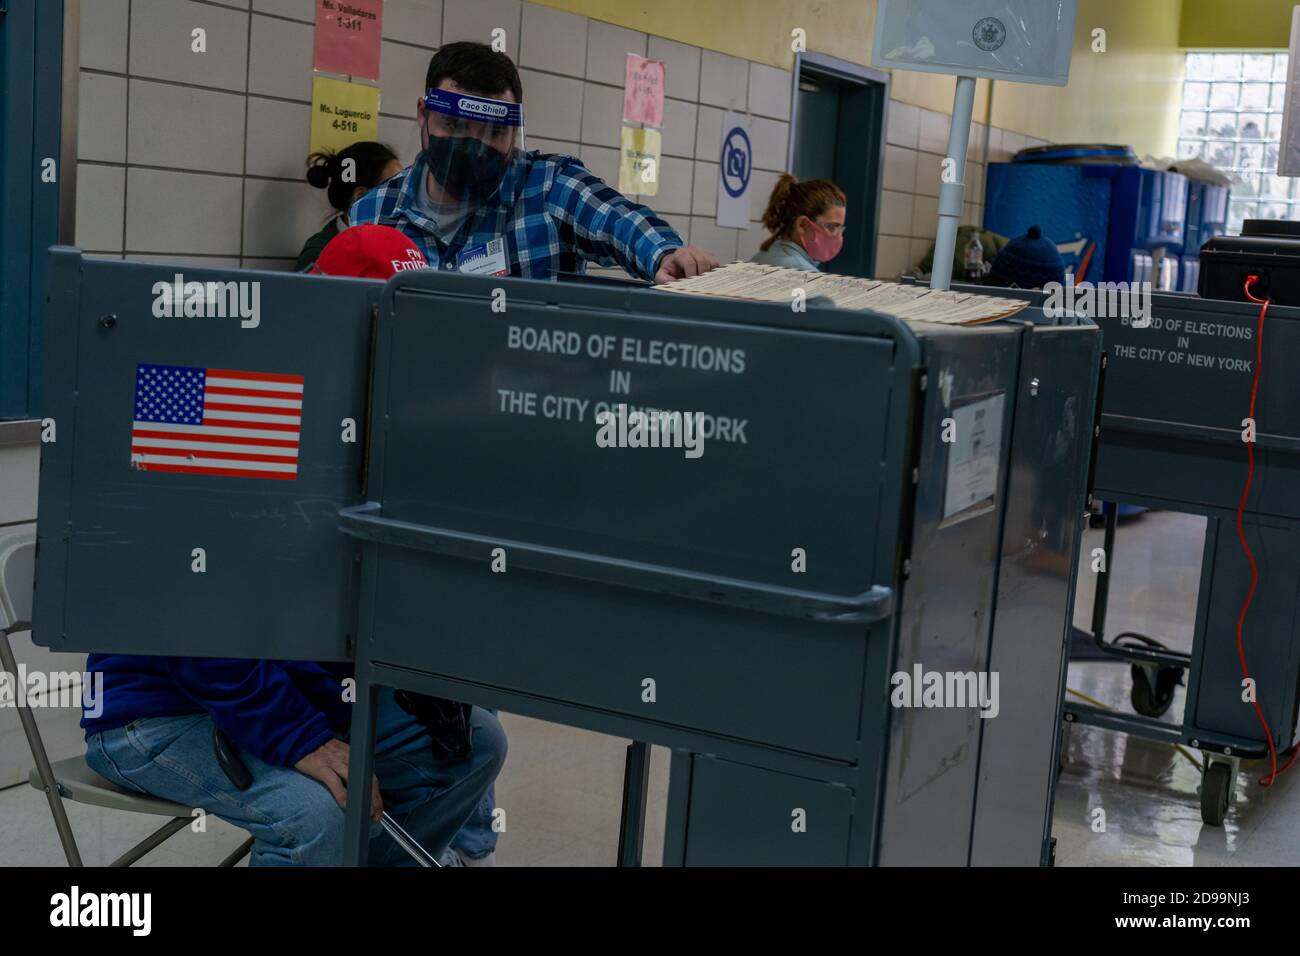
[751, 280]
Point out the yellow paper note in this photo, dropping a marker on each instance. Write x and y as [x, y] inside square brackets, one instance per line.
[342, 113]
[638, 168]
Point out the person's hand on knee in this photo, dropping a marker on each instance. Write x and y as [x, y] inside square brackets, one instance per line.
[328, 763]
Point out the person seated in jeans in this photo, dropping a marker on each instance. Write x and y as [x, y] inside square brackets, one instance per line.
[287, 721]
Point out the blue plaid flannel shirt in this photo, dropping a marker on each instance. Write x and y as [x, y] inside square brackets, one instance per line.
[553, 213]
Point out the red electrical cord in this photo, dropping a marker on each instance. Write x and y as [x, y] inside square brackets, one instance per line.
[1268, 779]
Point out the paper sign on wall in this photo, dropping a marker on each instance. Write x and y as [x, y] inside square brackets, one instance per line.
[643, 91]
[638, 167]
[342, 113]
[734, 172]
[347, 37]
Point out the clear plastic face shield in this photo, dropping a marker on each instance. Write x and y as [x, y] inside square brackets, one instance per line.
[471, 142]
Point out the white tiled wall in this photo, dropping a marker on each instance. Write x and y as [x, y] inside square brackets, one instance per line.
[916, 140]
[199, 157]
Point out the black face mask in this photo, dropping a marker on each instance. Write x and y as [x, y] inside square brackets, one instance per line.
[467, 169]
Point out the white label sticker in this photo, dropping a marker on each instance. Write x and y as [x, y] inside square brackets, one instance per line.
[974, 455]
[484, 259]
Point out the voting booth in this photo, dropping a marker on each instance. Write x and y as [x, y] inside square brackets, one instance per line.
[1178, 391]
[1180, 370]
[867, 502]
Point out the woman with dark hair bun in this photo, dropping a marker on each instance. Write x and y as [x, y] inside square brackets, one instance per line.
[348, 175]
[806, 222]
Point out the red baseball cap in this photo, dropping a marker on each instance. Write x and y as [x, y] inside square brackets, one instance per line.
[369, 252]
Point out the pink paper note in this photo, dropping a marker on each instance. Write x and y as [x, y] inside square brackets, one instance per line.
[643, 91]
[347, 37]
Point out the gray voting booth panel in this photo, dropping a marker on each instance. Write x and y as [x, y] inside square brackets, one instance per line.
[1050, 458]
[115, 567]
[1176, 396]
[1055, 400]
[948, 600]
[626, 566]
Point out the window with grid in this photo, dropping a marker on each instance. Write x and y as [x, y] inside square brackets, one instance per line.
[1232, 119]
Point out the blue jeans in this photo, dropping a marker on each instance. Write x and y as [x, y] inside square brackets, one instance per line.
[294, 820]
[476, 838]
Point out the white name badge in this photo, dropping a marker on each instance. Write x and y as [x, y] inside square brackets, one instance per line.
[484, 259]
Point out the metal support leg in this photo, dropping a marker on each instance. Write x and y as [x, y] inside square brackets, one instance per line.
[238, 854]
[419, 854]
[1110, 512]
[680, 767]
[361, 767]
[155, 839]
[39, 755]
[636, 787]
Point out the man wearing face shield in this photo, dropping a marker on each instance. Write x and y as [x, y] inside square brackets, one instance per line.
[477, 200]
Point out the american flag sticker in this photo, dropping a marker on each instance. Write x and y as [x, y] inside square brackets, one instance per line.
[216, 421]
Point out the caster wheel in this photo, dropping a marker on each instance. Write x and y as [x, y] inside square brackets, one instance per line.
[1153, 701]
[1216, 792]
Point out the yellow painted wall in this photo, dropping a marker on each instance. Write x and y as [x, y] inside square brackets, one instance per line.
[753, 29]
[1236, 24]
[761, 30]
[1128, 95]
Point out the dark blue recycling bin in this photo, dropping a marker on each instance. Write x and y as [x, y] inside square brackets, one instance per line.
[1112, 222]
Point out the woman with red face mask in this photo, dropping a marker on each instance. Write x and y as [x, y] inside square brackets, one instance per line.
[807, 224]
